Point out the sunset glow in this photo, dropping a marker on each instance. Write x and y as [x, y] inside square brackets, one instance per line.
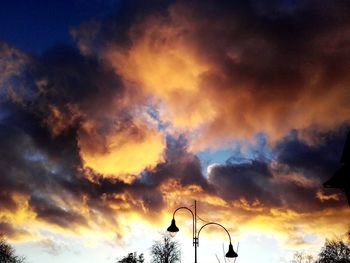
[150, 105]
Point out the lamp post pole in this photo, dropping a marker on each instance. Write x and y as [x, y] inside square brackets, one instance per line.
[173, 229]
[195, 232]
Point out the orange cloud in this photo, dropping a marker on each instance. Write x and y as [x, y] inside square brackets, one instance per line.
[208, 80]
[121, 154]
[164, 64]
[59, 120]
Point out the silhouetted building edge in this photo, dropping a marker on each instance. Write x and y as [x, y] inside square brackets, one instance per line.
[341, 178]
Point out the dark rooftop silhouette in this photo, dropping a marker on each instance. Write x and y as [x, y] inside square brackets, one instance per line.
[341, 178]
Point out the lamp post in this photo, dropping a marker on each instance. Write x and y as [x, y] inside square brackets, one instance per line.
[173, 229]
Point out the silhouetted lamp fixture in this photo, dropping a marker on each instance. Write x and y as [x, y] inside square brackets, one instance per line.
[231, 253]
[173, 229]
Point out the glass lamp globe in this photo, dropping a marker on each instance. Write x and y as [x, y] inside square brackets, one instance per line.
[172, 229]
[172, 234]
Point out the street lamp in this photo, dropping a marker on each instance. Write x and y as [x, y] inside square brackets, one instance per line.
[173, 229]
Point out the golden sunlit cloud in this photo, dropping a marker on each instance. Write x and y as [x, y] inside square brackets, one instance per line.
[123, 154]
[162, 62]
[200, 91]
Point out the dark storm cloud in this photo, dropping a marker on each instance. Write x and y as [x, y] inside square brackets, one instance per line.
[48, 211]
[179, 164]
[71, 77]
[270, 182]
[276, 42]
[70, 87]
[251, 181]
[317, 161]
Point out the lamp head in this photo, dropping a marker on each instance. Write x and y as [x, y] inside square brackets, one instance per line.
[231, 253]
[173, 229]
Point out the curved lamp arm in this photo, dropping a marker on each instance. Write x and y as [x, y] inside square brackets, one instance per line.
[183, 207]
[193, 219]
[213, 223]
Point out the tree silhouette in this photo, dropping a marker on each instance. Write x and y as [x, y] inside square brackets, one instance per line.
[166, 250]
[301, 257]
[131, 258]
[335, 251]
[7, 253]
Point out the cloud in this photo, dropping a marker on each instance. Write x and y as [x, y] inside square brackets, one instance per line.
[46, 185]
[47, 210]
[91, 139]
[257, 68]
[125, 151]
[52, 247]
[243, 181]
[12, 231]
[13, 63]
[292, 180]
[318, 161]
[42, 183]
[180, 165]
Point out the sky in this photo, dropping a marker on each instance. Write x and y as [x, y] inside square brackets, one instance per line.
[115, 113]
